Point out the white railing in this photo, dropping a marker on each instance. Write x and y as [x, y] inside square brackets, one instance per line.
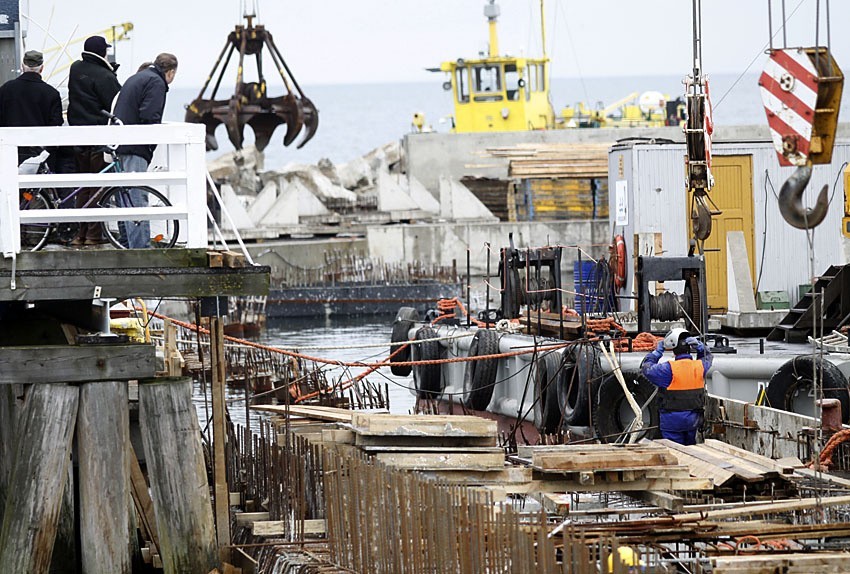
[178, 170]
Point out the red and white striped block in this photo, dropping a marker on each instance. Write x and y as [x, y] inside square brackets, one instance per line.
[789, 91]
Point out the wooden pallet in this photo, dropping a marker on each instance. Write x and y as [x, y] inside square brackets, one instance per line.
[725, 464]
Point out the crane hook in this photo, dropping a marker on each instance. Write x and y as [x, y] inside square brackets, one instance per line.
[791, 201]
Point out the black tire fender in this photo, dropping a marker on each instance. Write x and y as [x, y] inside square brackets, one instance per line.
[427, 378]
[480, 376]
[796, 375]
[580, 379]
[404, 321]
[613, 414]
[545, 374]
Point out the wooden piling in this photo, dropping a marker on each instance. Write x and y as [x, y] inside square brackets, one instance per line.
[222, 492]
[38, 478]
[103, 429]
[8, 423]
[175, 462]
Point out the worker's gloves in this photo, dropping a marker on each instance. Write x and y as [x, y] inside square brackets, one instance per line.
[660, 347]
[694, 342]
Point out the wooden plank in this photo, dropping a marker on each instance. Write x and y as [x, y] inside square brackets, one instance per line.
[76, 364]
[768, 508]
[752, 457]
[600, 461]
[423, 425]
[38, 478]
[506, 475]
[247, 518]
[215, 259]
[664, 484]
[219, 409]
[343, 436]
[101, 259]
[390, 440]
[128, 282]
[831, 478]
[709, 453]
[103, 431]
[704, 465]
[142, 498]
[343, 415]
[175, 462]
[443, 461]
[437, 449]
[313, 528]
[664, 500]
[555, 503]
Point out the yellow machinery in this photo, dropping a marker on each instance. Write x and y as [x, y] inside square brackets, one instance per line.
[649, 109]
[496, 93]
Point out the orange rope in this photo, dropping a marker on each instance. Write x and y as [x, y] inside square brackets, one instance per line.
[833, 442]
[448, 309]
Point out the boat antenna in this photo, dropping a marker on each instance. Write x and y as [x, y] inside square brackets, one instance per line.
[543, 27]
[491, 11]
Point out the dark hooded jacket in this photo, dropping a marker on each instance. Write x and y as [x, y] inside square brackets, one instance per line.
[142, 101]
[92, 86]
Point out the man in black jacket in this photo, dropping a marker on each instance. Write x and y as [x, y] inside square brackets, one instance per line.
[28, 101]
[92, 85]
[142, 101]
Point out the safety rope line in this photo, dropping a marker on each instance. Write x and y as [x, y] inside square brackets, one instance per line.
[379, 364]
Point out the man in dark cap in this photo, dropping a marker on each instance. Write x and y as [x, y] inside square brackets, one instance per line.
[92, 85]
[28, 101]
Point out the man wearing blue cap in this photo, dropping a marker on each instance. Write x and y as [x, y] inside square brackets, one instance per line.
[92, 85]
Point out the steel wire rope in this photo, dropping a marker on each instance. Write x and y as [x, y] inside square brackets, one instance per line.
[560, 6]
[759, 53]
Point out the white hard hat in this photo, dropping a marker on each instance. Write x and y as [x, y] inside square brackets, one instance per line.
[671, 340]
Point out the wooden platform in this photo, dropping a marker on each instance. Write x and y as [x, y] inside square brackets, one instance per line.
[122, 274]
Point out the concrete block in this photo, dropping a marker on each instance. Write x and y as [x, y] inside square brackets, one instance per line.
[458, 203]
[263, 202]
[392, 196]
[422, 196]
[739, 282]
[236, 206]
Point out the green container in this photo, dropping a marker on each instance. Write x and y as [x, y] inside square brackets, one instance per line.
[771, 300]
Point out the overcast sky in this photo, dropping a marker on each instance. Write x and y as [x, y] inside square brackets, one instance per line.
[364, 41]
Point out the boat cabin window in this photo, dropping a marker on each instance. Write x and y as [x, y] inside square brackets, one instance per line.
[462, 84]
[531, 79]
[487, 83]
[541, 79]
[511, 82]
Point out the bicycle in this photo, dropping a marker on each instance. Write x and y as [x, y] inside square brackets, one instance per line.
[163, 233]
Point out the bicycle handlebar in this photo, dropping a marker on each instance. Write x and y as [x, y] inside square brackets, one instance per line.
[113, 119]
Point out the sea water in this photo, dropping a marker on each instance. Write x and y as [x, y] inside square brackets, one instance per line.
[354, 119]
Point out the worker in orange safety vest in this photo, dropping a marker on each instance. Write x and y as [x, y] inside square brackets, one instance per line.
[681, 384]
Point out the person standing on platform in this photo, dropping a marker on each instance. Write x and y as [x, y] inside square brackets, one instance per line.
[29, 101]
[92, 87]
[142, 101]
[681, 383]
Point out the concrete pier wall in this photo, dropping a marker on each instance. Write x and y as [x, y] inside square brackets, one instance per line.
[429, 156]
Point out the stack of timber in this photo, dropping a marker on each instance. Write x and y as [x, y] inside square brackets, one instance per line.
[734, 471]
[429, 442]
[821, 562]
[552, 161]
[556, 181]
[608, 468]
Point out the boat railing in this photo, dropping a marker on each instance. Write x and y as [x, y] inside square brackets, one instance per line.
[178, 170]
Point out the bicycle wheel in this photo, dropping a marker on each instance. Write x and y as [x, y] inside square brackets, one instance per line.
[34, 235]
[154, 233]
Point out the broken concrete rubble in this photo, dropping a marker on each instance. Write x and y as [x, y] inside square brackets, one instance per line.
[372, 189]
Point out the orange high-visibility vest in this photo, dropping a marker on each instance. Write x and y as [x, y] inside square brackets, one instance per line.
[687, 389]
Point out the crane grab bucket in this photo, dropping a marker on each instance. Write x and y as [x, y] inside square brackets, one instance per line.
[250, 103]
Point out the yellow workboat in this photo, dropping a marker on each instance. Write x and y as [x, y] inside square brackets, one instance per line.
[502, 93]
